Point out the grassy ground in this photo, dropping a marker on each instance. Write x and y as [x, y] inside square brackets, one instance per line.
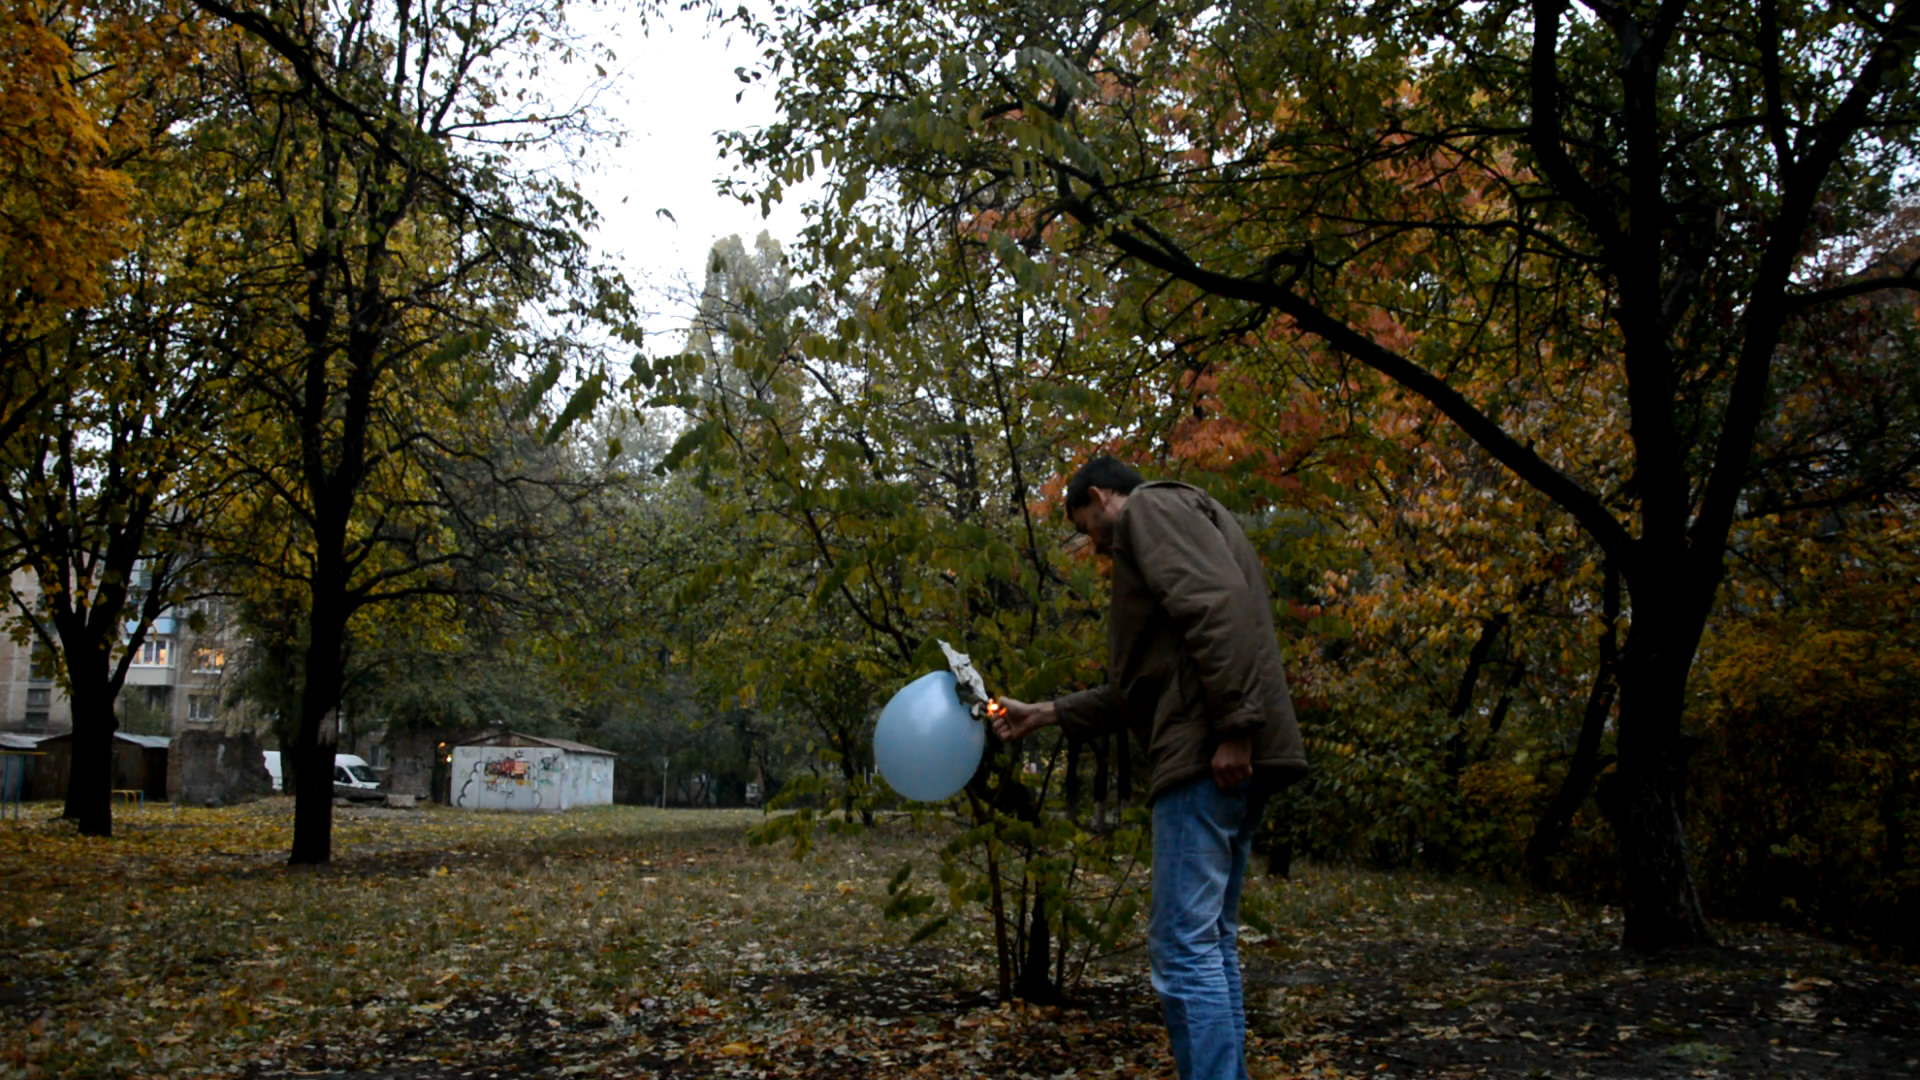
[633, 942]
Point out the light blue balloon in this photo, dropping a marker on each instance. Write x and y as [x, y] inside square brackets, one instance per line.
[927, 743]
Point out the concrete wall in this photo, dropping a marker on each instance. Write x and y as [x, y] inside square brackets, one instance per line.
[206, 768]
[410, 763]
[510, 778]
[416, 761]
[589, 779]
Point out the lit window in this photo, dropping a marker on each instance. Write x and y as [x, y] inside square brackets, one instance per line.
[156, 652]
[209, 660]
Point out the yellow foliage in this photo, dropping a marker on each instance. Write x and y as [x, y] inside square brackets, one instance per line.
[1498, 785]
[64, 210]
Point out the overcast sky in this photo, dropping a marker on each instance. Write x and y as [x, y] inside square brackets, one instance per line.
[676, 86]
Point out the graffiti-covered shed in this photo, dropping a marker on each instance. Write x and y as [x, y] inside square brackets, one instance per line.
[510, 771]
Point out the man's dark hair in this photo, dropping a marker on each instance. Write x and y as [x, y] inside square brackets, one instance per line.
[1105, 472]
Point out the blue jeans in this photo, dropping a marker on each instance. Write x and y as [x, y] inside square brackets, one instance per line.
[1201, 837]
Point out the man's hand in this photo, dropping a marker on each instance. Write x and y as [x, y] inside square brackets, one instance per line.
[1021, 719]
[1233, 762]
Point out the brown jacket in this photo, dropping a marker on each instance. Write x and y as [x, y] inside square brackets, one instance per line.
[1192, 655]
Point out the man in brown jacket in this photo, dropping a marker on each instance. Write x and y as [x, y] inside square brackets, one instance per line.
[1193, 668]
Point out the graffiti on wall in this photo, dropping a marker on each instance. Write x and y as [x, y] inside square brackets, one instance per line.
[508, 778]
[505, 770]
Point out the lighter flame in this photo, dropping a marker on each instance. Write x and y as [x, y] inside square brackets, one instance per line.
[994, 708]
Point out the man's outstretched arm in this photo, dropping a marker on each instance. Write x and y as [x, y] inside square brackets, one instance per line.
[1089, 712]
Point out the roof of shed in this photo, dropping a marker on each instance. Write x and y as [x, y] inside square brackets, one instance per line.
[499, 738]
[148, 742]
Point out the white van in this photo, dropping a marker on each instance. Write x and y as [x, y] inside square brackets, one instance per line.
[349, 770]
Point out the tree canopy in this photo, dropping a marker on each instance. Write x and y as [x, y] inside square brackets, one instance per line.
[1509, 212]
[1558, 357]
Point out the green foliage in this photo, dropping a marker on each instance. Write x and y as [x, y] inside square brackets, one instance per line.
[882, 480]
[1086, 886]
[1387, 797]
[1535, 227]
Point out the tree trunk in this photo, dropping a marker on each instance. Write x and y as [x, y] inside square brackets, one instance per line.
[1072, 787]
[1647, 807]
[1036, 983]
[90, 773]
[313, 749]
[850, 770]
[311, 763]
[1102, 773]
[1461, 710]
[1551, 830]
[847, 773]
[996, 900]
[1662, 907]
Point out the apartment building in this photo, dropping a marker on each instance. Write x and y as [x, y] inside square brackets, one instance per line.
[176, 682]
